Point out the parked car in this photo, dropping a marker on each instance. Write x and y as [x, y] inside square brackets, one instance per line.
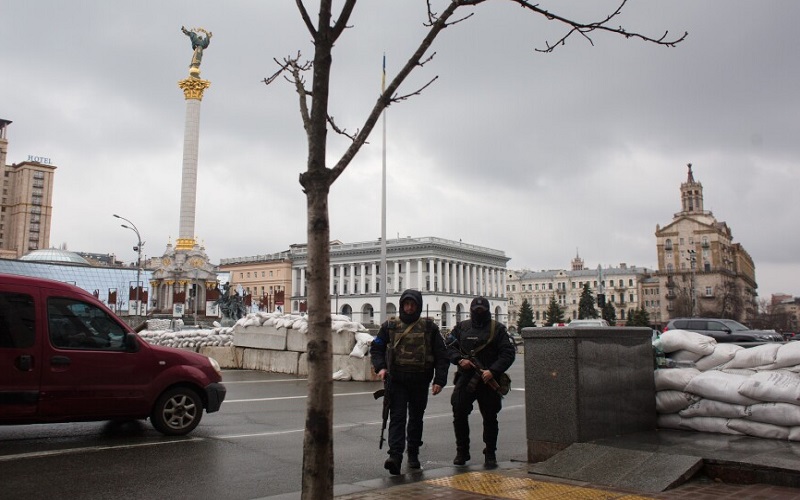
[588, 323]
[723, 330]
[65, 357]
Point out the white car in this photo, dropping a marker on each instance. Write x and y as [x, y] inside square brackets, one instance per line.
[587, 323]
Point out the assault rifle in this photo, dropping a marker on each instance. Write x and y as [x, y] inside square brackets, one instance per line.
[479, 369]
[384, 393]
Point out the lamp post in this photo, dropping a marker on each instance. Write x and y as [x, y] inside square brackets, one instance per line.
[138, 250]
[692, 262]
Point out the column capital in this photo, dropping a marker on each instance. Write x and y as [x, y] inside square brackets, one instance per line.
[193, 88]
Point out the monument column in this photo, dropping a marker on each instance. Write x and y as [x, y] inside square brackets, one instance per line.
[193, 89]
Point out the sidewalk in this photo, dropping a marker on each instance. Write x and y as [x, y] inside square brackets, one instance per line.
[513, 481]
[771, 466]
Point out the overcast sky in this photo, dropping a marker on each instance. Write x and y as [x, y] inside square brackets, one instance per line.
[539, 155]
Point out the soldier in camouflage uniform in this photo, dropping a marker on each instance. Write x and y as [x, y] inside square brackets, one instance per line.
[410, 351]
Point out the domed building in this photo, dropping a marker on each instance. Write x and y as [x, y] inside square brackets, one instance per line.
[55, 256]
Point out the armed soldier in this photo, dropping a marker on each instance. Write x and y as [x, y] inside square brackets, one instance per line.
[483, 352]
[409, 352]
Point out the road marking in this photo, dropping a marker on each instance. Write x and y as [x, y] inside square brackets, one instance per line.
[72, 451]
[336, 427]
[231, 382]
[293, 397]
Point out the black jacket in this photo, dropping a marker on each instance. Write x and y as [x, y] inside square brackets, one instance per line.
[497, 356]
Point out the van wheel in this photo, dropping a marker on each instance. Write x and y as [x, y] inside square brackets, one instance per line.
[177, 412]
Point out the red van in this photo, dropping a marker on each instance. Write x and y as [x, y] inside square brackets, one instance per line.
[65, 357]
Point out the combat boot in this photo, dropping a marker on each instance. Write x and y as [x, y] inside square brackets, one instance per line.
[489, 458]
[413, 459]
[462, 456]
[393, 463]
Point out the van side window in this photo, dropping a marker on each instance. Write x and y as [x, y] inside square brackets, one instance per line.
[78, 325]
[17, 316]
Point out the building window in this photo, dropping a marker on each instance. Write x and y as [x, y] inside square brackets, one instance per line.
[709, 292]
[36, 175]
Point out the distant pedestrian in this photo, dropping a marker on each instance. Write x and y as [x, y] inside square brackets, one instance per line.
[483, 351]
[407, 354]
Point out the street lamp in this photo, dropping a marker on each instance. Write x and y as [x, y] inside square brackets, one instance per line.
[138, 250]
[692, 263]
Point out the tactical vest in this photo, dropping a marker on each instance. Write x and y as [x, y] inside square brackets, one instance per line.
[470, 343]
[411, 345]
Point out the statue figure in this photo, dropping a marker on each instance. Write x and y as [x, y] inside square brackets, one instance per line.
[231, 305]
[199, 43]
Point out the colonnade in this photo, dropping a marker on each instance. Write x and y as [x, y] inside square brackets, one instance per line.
[424, 274]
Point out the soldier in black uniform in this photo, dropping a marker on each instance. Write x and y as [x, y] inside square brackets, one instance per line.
[487, 341]
[410, 351]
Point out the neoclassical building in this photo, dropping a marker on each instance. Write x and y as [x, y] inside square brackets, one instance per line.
[448, 273]
[701, 271]
[265, 280]
[622, 285]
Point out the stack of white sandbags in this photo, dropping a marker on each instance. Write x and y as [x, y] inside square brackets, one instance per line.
[190, 339]
[339, 323]
[727, 388]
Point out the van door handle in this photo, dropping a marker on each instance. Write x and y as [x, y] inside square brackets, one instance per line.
[60, 360]
[24, 363]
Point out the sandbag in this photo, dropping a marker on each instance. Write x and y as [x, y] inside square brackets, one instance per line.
[772, 387]
[718, 359]
[711, 408]
[762, 355]
[758, 429]
[709, 424]
[720, 386]
[673, 401]
[784, 414]
[788, 355]
[674, 378]
[674, 340]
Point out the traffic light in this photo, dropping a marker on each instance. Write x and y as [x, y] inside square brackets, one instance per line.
[601, 300]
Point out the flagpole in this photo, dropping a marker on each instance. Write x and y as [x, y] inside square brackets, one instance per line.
[384, 270]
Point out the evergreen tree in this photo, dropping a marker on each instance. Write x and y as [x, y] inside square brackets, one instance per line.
[586, 307]
[638, 317]
[609, 314]
[554, 313]
[525, 316]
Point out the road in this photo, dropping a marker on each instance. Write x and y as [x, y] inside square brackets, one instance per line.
[251, 448]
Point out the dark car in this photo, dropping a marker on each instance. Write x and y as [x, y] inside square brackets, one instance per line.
[723, 330]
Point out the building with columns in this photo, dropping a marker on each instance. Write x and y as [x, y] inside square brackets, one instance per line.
[448, 273]
[622, 285]
[701, 271]
[265, 280]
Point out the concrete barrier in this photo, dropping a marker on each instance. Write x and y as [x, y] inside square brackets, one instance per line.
[583, 384]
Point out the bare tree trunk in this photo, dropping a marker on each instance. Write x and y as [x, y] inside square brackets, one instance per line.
[318, 437]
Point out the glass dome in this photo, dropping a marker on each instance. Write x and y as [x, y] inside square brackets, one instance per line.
[56, 256]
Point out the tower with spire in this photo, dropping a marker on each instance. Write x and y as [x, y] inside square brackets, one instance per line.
[701, 270]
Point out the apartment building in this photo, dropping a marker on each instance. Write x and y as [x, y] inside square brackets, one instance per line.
[26, 205]
[623, 286]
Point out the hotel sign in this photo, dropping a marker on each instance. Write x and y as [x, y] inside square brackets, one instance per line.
[39, 159]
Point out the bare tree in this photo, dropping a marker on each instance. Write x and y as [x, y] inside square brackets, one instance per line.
[316, 182]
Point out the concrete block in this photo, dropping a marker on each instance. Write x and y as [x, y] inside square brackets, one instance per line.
[227, 357]
[270, 361]
[296, 340]
[341, 343]
[260, 337]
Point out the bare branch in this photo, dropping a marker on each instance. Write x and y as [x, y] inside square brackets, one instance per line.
[584, 29]
[341, 131]
[398, 98]
[306, 18]
[341, 23]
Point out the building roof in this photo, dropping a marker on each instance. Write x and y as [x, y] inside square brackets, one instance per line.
[54, 255]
